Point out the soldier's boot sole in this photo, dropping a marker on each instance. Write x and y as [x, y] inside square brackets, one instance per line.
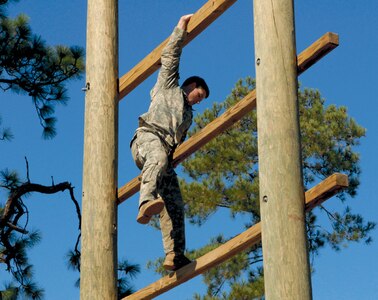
[149, 209]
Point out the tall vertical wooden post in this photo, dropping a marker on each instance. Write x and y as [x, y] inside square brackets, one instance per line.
[286, 264]
[99, 221]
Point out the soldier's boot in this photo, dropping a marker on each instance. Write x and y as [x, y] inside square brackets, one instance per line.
[174, 262]
[148, 209]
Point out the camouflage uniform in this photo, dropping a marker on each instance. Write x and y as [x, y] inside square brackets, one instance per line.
[160, 130]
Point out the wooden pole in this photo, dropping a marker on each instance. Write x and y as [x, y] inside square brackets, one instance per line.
[99, 221]
[286, 263]
[252, 236]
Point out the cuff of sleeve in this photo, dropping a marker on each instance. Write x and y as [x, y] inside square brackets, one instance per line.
[180, 32]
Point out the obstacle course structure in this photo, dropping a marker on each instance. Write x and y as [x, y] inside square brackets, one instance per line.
[101, 196]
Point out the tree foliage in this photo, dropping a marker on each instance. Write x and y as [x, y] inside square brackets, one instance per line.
[224, 173]
[5, 132]
[29, 66]
[15, 239]
[126, 271]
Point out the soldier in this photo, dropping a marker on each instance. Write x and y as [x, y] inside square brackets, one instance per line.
[160, 131]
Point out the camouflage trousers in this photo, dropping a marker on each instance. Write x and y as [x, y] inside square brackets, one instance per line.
[160, 180]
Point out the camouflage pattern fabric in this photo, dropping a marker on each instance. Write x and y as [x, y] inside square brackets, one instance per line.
[161, 129]
[169, 114]
[172, 217]
[160, 180]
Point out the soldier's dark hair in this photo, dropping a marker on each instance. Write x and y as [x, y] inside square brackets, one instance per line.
[200, 82]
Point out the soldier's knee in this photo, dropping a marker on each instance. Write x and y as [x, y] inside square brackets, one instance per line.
[153, 170]
[162, 160]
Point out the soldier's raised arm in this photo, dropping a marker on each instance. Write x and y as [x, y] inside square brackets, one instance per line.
[170, 57]
[183, 22]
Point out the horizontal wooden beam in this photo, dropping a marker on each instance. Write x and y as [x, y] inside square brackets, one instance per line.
[305, 60]
[325, 190]
[317, 50]
[206, 15]
[252, 236]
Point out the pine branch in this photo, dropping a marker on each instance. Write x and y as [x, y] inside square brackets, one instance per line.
[12, 254]
[16, 228]
[27, 188]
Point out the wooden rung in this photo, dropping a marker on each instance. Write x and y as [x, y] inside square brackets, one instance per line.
[252, 236]
[316, 51]
[305, 60]
[206, 15]
[325, 190]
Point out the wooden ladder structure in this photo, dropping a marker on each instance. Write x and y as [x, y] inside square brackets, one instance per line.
[252, 236]
[316, 195]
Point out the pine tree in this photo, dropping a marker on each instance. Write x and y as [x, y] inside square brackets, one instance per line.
[29, 66]
[224, 174]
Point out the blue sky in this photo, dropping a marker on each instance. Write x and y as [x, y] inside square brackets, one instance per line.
[222, 54]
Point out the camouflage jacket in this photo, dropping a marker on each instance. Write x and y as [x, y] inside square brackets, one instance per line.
[169, 115]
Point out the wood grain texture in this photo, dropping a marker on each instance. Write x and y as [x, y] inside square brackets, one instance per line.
[252, 236]
[284, 240]
[98, 276]
[206, 15]
[305, 60]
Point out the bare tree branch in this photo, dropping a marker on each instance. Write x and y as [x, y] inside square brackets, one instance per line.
[27, 188]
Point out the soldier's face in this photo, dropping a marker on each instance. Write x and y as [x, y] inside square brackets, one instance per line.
[196, 95]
